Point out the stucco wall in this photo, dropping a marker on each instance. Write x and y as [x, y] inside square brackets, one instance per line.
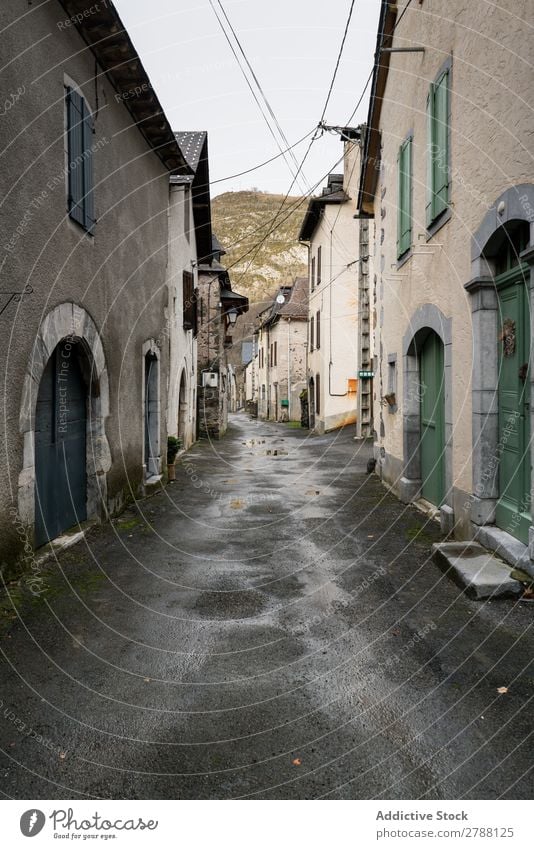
[491, 149]
[336, 297]
[117, 277]
[182, 343]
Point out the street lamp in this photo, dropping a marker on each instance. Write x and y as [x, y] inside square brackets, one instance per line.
[232, 315]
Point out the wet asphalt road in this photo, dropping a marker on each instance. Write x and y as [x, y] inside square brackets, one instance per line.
[269, 626]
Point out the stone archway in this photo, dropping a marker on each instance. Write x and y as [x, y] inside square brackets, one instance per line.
[68, 321]
[514, 206]
[427, 319]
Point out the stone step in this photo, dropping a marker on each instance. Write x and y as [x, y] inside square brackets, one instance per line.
[478, 571]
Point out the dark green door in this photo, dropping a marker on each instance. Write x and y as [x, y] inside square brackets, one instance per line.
[513, 506]
[432, 420]
[60, 445]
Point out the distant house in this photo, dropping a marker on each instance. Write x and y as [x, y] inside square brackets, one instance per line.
[281, 360]
[85, 194]
[339, 318]
[218, 310]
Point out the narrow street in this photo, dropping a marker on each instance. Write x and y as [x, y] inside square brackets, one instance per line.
[271, 625]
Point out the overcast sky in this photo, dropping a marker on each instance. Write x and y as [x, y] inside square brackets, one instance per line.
[292, 46]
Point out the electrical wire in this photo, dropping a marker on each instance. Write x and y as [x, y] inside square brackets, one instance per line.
[266, 162]
[249, 84]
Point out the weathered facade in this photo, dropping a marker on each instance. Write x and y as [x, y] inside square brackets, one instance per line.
[84, 236]
[281, 361]
[339, 336]
[218, 309]
[448, 177]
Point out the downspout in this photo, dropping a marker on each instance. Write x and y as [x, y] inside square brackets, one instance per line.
[288, 370]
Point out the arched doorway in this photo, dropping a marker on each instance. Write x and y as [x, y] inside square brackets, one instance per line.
[182, 409]
[513, 340]
[432, 417]
[60, 444]
[501, 291]
[151, 414]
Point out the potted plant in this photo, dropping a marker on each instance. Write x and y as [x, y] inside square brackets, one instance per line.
[173, 446]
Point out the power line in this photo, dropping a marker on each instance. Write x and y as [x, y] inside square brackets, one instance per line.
[249, 84]
[319, 128]
[258, 84]
[266, 162]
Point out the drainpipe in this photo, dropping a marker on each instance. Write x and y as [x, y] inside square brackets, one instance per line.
[288, 370]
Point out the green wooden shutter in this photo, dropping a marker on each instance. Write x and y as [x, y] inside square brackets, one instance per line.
[438, 149]
[75, 133]
[88, 133]
[441, 145]
[404, 200]
[429, 157]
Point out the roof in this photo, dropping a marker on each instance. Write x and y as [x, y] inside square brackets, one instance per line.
[194, 146]
[106, 36]
[371, 151]
[295, 305]
[191, 143]
[333, 192]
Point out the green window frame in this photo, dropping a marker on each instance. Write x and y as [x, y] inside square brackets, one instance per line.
[80, 132]
[404, 200]
[438, 153]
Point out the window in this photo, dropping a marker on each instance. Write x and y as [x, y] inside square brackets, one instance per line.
[80, 132]
[311, 333]
[317, 393]
[312, 273]
[438, 153]
[404, 198]
[190, 302]
[319, 260]
[275, 351]
[317, 329]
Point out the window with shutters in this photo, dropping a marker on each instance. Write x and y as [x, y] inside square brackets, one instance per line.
[312, 341]
[80, 134]
[317, 329]
[319, 262]
[404, 198]
[438, 152]
[312, 273]
[190, 302]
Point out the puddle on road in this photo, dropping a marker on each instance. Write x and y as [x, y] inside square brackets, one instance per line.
[268, 452]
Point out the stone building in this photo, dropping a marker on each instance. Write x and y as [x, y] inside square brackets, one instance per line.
[281, 342]
[87, 153]
[218, 309]
[339, 333]
[448, 177]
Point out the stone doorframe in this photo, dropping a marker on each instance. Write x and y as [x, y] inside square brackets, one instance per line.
[515, 204]
[151, 347]
[67, 321]
[426, 319]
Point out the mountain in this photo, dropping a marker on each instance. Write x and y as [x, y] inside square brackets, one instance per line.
[240, 221]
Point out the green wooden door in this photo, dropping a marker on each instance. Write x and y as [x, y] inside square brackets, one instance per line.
[513, 506]
[432, 420]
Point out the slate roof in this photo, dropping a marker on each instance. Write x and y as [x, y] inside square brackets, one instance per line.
[295, 305]
[333, 192]
[191, 144]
